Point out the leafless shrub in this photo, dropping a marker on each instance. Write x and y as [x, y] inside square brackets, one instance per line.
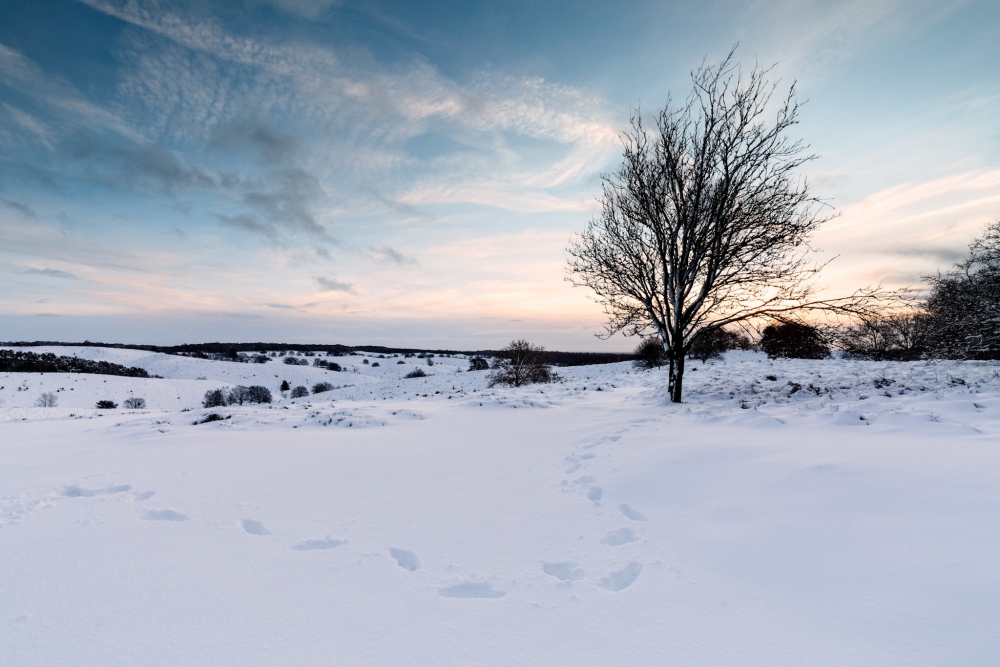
[520, 363]
[48, 399]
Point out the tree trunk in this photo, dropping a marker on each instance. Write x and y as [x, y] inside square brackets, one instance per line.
[676, 375]
[676, 379]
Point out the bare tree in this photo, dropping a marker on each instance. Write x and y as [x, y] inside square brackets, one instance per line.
[520, 363]
[48, 399]
[901, 336]
[706, 222]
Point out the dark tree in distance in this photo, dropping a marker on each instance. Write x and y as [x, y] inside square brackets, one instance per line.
[214, 398]
[706, 223]
[285, 386]
[650, 353]
[793, 340]
[300, 392]
[713, 342]
[48, 399]
[520, 363]
[258, 394]
[239, 395]
[901, 336]
[477, 364]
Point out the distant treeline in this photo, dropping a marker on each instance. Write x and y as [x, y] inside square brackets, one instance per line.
[28, 362]
[232, 350]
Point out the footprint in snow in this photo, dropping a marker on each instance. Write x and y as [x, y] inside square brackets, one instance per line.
[471, 590]
[255, 527]
[163, 515]
[619, 537]
[594, 494]
[563, 571]
[405, 559]
[308, 545]
[622, 579]
[74, 491]
[631, 513]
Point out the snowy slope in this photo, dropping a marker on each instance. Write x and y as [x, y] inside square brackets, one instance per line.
[852, 520]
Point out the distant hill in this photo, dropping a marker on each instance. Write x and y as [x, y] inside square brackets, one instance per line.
[554, 357]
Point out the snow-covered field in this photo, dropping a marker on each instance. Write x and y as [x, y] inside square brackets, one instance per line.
[788, 513]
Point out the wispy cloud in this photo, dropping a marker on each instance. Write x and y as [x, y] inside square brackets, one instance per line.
[23, 209]
[334, 285]
[386, 253]
[51, 273]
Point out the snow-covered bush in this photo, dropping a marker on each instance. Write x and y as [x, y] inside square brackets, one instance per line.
[478, 364]
[416, 373]
[106, 405]
[300, 392]
[320, 387]
[134, 403]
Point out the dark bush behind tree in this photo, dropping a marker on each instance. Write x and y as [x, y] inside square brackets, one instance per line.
[794, 340]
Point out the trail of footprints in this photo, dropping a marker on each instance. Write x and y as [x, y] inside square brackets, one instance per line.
[568, 572]
[15, 508]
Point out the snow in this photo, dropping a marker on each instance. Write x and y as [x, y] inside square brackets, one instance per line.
[854, 519]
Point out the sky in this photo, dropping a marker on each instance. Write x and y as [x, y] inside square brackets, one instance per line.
[410, 173]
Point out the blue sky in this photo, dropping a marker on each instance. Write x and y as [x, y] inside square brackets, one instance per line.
[410, 173]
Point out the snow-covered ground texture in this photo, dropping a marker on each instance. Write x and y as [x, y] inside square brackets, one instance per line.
[788, 513]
